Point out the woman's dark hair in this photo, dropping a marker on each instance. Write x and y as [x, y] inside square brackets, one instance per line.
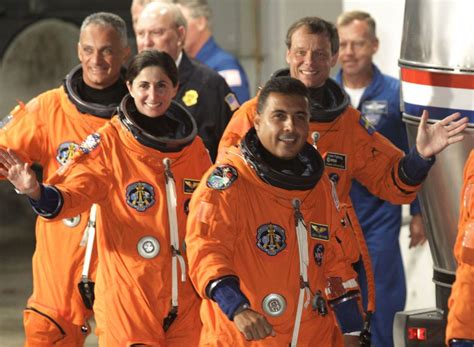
[152, 58]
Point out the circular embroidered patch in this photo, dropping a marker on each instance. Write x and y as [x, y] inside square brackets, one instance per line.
[66, 151]
[271, 238]
[140, 196]
[222, 177]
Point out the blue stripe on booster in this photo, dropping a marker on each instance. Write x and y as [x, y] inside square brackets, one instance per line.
[437, 112]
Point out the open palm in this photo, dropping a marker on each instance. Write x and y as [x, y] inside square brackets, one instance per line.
[17, 171]
[432, 139]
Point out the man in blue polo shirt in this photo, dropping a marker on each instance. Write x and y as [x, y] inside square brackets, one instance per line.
[200, 44]
[377, 96]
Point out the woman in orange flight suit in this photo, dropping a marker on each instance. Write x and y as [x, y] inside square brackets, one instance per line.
[460, 329]
[140, 169]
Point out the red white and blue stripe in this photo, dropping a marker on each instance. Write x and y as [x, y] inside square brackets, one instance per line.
[440, 93]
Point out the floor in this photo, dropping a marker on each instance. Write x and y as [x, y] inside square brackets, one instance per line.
[15, 285]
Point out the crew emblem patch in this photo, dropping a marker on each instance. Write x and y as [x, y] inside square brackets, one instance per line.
[222, 177]
[318, 253]
[319, 231]
[191, 97]
[336, 160]
[189, 185]
[66, 151]
[90, 143]
[366, 124]
[140, 196]
[271, 238]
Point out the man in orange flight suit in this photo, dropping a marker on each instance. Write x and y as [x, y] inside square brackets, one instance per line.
[48, 130]
[259, 252]
[351, 147]
[460, 329]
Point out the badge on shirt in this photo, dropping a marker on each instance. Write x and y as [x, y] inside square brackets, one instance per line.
[189, 185]
[222, 177]
[66, 151]
[366, 125]
[140, 196]
[90, 143]
[190, 98]
[374, 110]
[271, 238]
[335, 160]
[319, 231]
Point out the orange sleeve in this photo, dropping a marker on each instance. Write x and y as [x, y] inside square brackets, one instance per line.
[84, 180]
[210, 235]
[376, 164]
[24, 132]
[239, 124]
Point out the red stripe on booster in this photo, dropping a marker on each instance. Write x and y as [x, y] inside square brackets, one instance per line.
[437, 79]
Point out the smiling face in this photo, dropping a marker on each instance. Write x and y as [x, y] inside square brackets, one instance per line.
[152, 91]
[282, 126]
[102, 54]
[310, 58]
[357, 48]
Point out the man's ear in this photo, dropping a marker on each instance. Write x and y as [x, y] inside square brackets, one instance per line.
[181, 34]
[256, 122]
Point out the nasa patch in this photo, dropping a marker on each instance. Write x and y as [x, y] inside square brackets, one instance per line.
[271, 238]
[90, 143]
[222, 177]
[319, 231]
[318, 253]
[140, 196]
[66, 151]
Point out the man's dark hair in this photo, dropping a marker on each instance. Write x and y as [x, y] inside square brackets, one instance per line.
[152, 58]
[283, 85]
[315, 25]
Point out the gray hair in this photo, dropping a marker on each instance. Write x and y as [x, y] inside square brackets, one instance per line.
[108, 19]
[197, 8]
[176, 14]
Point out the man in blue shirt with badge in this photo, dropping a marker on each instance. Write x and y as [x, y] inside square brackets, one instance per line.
[200, 44]
[377, 97]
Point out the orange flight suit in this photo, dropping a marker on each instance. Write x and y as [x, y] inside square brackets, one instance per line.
[47, 131]
[461, 301]
[248, 230]
[352, 150]
[133, 284]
